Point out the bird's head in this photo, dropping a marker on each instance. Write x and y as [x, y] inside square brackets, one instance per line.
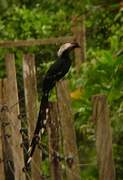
[67, 47]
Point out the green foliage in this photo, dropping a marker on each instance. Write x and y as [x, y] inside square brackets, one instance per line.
[22, 23]
[101, 73]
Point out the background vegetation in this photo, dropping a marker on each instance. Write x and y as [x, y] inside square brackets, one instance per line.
[101, 72]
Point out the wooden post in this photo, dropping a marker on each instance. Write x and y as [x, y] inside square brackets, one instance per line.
[2, 171]
[68, 132]
[103, 138]
[30, 89]
[78, 29]
[54, 142]
[12, 92]
[7, 135]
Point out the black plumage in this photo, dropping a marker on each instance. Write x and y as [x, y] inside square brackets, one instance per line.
[56, 72]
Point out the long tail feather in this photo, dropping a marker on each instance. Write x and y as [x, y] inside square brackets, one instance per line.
[40, 126]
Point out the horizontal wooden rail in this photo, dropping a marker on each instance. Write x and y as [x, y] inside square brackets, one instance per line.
[34, 42]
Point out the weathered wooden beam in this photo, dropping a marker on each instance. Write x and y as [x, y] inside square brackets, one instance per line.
[79, 32]
[54, 142]
[2, 160]
[12, 92]
[7, 138]
[35, 42]
[103, 138]
[68, 132]
[30, 90]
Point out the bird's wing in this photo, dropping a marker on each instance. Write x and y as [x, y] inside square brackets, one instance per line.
[55, 69]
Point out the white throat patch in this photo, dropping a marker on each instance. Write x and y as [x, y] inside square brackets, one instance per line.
[63, 48]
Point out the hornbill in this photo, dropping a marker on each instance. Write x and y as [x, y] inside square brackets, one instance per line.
[56, 72]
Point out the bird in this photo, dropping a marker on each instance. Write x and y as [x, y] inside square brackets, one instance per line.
[55, 73]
